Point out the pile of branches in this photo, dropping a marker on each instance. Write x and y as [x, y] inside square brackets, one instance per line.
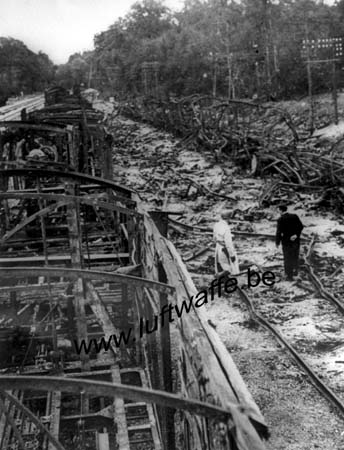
[260, 138]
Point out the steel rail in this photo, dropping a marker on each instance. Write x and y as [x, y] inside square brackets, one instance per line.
[23, 103]
[317, 283]
[20, 103]
[15, 113]
[21, 272]
[322, 388]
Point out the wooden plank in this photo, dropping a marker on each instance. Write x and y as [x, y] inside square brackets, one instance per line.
[102, 315]
[151, 415]
[92, 373]
[160, 426]
[122, 437]
[15, 413]
[216, 380]
[73, 222]
[33, 289]
[69, 368]
[232, 374]
[12, 424]
[55, 417]
[87, 200]
[33, 418]
[4, 430]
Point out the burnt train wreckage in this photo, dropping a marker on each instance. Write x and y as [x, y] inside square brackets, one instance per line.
[79, 260]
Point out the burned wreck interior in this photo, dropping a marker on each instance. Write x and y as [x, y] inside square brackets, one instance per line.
[171, 225]
[81, 262]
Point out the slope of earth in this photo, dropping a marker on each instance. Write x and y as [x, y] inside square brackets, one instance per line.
[171, 177]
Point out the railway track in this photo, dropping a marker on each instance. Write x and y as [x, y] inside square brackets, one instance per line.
[85, 274]
[306, 313]
[327, 384]
[13, 111]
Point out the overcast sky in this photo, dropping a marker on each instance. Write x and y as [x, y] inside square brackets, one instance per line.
[61, 27]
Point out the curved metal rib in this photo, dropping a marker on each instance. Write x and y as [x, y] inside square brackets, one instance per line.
[82, 199]
[47, 173]
[74, 274]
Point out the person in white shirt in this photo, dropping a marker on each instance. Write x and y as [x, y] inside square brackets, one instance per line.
[225, 255]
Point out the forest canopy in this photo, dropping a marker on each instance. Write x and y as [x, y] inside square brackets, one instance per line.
[228, 48]
[21, 70]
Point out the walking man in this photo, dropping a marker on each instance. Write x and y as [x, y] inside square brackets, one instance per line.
[225, 255]
[289, 228]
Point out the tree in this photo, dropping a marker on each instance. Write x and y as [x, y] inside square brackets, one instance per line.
[221, 47]
[21, 70]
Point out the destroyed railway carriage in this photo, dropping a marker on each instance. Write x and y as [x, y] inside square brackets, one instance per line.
[81, 263]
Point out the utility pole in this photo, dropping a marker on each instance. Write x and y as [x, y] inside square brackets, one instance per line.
[322, 51]
[309, 78]
[229, 65]
[90, 75]
[266, 22]
[334, 86]
[214, 73]
[230, 76]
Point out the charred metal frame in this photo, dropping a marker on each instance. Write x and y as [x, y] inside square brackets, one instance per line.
[231, 409]
[74, 274]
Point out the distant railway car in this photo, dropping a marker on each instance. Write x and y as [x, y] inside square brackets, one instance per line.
[55, 94]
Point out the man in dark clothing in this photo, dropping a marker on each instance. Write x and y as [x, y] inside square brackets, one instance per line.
[289, 228]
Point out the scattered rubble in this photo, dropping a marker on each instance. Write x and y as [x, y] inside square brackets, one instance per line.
[264, 140]
[194, 188]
